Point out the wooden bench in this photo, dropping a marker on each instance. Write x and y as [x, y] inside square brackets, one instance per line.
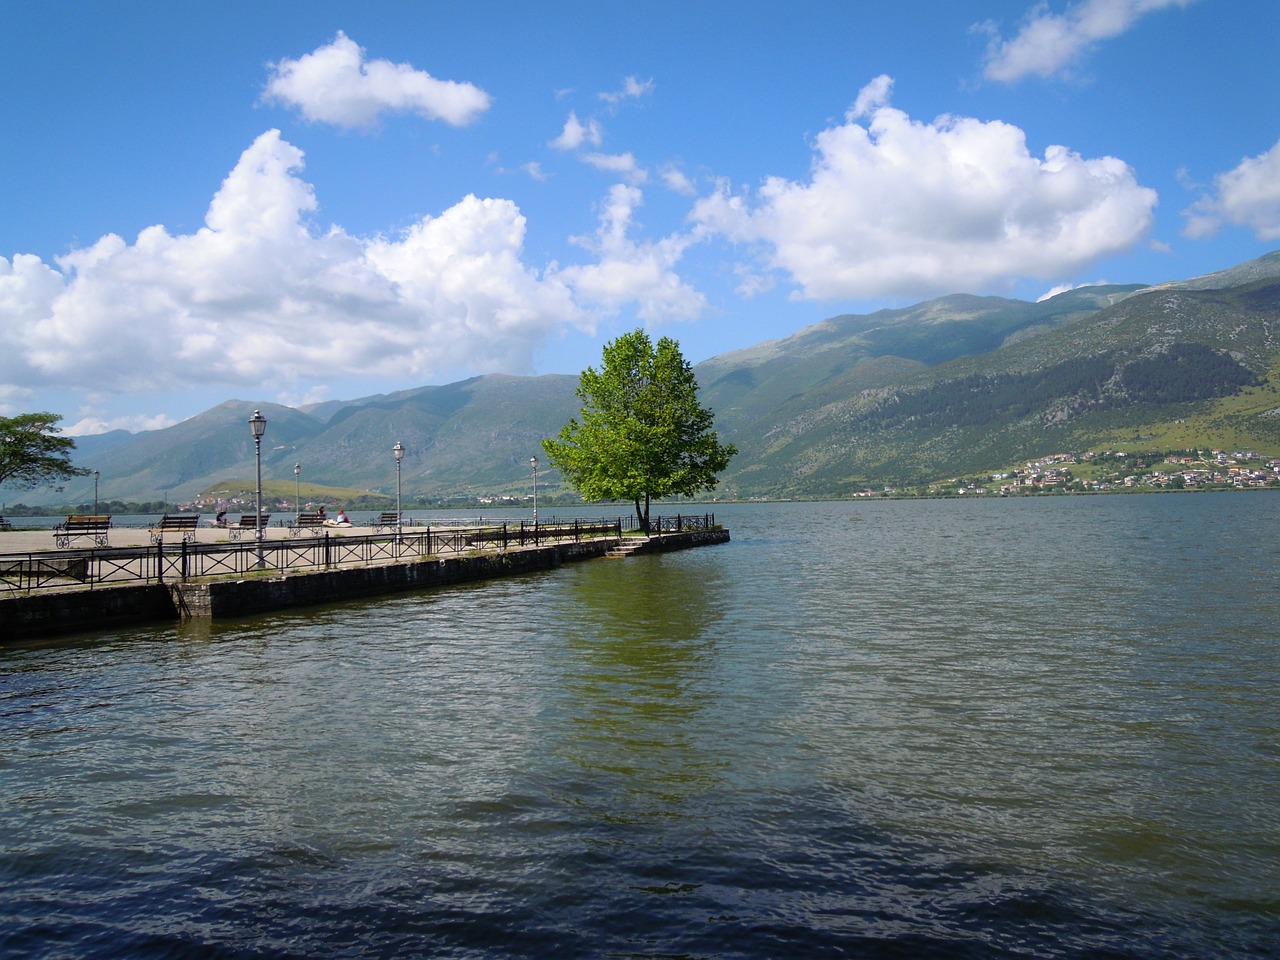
[93, 527]
[184, 524]
[313, 523]
[247, 521]
[5, 524]
[388, 518]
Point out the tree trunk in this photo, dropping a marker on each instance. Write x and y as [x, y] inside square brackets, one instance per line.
[642, 515]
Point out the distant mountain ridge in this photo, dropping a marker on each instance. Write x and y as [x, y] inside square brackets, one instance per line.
[1265, 267]
[903, 396]
[843, 434]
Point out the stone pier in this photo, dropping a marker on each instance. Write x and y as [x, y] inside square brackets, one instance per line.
[54, 612]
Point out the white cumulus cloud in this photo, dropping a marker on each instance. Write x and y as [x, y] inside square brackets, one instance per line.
[1050, 43]
[336, 84]
[576, 133]
[261, 296]
[13, 399]
[1247, 196]
[897, 207]
[623, 164]
[632, 89]
[577, 136]
[90, 425]
[676, 180]
[627, 271]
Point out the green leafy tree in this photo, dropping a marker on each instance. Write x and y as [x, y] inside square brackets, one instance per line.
[31, 453]
[642, 433]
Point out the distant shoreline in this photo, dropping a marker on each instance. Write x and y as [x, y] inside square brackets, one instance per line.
[896, 495]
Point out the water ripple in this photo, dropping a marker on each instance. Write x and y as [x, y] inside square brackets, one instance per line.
[1000, 729]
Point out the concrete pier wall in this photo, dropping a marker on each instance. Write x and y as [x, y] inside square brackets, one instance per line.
[72, 611]
[684, 541]
[237, 598]
[75, 611]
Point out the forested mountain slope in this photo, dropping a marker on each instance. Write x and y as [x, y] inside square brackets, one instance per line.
[1174, 365]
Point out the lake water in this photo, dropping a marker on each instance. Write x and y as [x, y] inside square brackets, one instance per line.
[1002, 728]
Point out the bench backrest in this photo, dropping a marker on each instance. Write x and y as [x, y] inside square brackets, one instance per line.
[87, 523]
[309, 520]
[389, 516]
[180, 521]
[251, 519]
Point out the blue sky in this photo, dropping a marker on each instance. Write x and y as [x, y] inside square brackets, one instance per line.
[293, 202]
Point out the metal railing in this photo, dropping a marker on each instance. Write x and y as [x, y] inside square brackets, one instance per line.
[114, 566]
[682, 524]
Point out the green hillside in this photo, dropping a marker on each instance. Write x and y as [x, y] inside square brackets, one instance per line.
[1196, 365]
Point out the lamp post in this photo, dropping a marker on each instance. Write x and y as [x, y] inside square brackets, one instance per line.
[398, 450]
[533, 462]
[95, 493]
[258, 424]
[297, 500]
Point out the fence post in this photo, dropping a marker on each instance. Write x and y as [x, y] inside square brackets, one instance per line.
[184, 559]
[504, 536]
[326, 549]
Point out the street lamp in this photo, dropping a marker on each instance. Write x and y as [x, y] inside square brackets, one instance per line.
[533, 462]
[95, 493]
[297, 500]
[398, 450]
[258, 424]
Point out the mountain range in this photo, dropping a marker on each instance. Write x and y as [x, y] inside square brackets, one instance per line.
[953, 386]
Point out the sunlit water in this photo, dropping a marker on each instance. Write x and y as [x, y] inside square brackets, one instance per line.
[887, 729]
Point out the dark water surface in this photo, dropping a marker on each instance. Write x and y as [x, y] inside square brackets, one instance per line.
[1042, 728]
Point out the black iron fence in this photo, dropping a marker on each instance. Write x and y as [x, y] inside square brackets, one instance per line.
[113, 566]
